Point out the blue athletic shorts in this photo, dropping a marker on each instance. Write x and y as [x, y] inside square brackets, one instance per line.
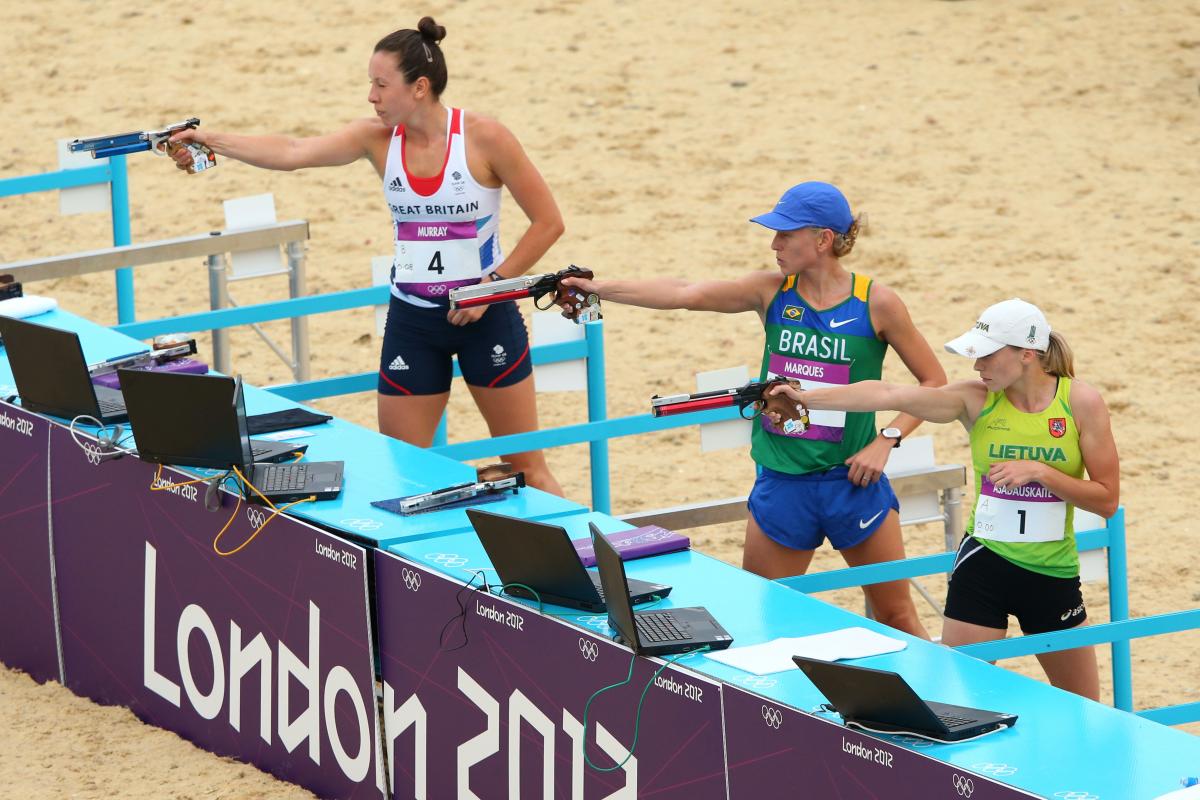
[801, 511]
[418, 344]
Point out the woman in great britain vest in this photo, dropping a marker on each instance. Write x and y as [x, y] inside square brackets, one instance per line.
[1035, 432]
[825, 326]
[443, 171]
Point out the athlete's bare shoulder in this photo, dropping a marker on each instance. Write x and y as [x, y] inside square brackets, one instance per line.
[489, 134]
[1085, 398]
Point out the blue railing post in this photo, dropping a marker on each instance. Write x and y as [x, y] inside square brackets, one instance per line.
[1118, 610]
[597, 410]
[119, 190]
[439, 435]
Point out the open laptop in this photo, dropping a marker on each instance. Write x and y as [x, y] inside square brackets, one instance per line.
[877, 700]
[652, 633]
[163, 410]
[52, 375]
[542, 556]
[220, 442]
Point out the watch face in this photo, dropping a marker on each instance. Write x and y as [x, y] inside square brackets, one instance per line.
[891, 433]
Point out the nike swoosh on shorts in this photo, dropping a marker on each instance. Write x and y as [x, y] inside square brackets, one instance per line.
[863, 525]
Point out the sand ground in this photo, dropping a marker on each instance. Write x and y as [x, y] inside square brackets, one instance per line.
[1039, 149]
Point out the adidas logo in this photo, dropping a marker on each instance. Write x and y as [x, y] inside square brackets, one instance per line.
[396, 185]
[397, 364]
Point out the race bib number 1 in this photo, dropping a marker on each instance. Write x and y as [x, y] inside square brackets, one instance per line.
[434, 257]
[1029, 513]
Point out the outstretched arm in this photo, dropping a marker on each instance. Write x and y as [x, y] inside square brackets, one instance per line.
[751, 292]
[284, 152]
[958, 401]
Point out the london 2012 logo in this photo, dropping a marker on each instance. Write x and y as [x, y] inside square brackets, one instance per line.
[963, 785]
[588, 649]
[772, 716]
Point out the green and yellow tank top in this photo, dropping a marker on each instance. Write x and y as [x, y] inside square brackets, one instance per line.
[1029, 525]
[832, 347]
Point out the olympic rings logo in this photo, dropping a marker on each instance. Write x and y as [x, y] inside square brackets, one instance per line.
[757, 682]
[448, 560]
[437, 288]
[411, 579]
[963, 785]
[256, 517]
[999, 770]
[772, 716]
[1068, 795]
[361, 524]
[595, 622]
[94, 456]
[588, 649]
[914, 742]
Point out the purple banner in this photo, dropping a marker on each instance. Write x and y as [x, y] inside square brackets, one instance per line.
[809, 371]
[484, 698]
[1032, 492]
[775, 749]
[435, 231]
[28, 639]
[264, 655]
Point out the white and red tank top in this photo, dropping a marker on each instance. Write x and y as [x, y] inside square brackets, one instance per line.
[445, 227]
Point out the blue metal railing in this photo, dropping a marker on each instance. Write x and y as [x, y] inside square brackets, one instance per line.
[112, 172]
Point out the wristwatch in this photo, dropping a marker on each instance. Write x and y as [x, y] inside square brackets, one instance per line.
[892, 433]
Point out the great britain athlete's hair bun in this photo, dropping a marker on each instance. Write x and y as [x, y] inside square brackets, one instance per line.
[430, 31]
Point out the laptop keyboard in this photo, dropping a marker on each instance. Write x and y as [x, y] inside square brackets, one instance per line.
[110, 406]
[953, 721]
[659, 628]
[284, 477]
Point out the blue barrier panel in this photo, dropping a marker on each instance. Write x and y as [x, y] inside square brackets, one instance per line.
[114, 173]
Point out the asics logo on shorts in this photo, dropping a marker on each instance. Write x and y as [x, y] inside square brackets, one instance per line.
[963, 785]
[862, 526]
[1074, 612]
[588, 649]
[772, 716]
[397, 364]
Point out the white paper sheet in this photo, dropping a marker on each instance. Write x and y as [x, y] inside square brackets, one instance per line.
[776, 655]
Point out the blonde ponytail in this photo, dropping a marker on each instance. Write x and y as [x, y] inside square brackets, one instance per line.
[1058, 360]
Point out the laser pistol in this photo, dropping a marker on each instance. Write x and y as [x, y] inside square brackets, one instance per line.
[459, 493]
[575, 304]
[155, 141]
[753, 395]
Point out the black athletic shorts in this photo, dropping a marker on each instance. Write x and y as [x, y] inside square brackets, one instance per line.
[985, 588]
[418, 344]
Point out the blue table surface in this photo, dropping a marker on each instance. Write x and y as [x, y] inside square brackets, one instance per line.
[377, 467]
[1060, 742]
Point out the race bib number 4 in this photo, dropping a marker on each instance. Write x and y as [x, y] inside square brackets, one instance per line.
[1029, 513]
[434, 257]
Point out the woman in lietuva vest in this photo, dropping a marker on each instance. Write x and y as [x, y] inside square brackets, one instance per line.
[1034, 432]
[825, 326]
[443, 172]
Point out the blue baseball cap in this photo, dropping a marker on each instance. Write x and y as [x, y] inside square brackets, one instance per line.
[809, 205]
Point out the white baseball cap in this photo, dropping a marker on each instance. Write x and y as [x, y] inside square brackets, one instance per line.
[1012, 322]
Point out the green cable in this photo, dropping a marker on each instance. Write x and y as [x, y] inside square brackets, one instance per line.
[637, 720]
[500, 590]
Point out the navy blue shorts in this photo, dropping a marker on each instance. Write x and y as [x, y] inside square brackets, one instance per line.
[801, 511]
[419, 343]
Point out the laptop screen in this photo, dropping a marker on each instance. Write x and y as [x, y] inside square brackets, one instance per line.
[49, 369]
[239, 409]
[182, 419]
[616, 587]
